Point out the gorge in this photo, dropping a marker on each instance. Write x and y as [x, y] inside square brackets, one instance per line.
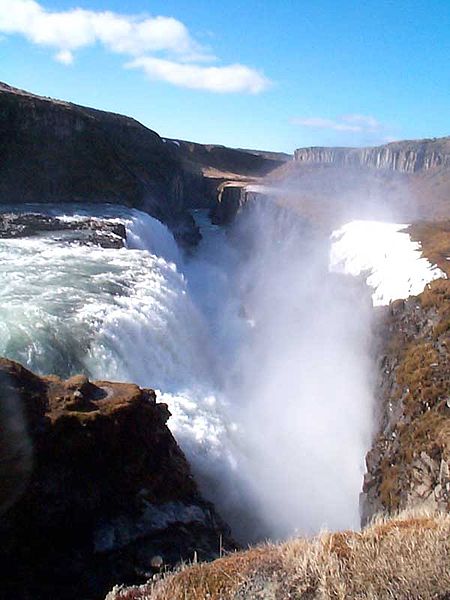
[257, 327]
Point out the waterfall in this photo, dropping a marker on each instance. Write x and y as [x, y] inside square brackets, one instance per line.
[261, 353]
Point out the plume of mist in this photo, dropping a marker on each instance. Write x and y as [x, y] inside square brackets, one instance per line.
[332, 195]
[297, 384]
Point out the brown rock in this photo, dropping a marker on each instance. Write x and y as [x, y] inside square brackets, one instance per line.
[110, 489]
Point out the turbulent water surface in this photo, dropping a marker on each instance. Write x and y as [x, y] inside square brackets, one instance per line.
[260, 352]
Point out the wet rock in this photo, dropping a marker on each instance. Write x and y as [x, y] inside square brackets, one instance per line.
[83, 231]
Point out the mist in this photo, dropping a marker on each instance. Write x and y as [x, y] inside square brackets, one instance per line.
[292, 348]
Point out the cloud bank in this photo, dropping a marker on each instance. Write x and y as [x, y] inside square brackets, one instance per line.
[352, 128]
[354, 123]
[160, 46]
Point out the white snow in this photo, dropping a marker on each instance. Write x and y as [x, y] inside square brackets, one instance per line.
[260, 189]
[385, 256]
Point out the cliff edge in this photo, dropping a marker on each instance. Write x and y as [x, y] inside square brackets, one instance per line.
[109, 494]
[55, 151]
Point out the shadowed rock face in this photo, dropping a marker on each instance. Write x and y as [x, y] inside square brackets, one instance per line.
[54, 151]
[15, 444]
[209, 169]
[110, 489]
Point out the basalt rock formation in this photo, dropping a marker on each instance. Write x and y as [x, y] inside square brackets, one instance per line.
[210, 169]
[110, 496]
[409, 463]
[409, 156]
[404, 181]
[56, 151]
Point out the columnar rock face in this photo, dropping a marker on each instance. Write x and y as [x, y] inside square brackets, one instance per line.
[406, 157]
[110, 490]
[229, 200]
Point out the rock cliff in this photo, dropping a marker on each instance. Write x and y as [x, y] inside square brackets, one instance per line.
[405, 156]
[409, 463]
[54, 151]
[210, 168]
[110, 490]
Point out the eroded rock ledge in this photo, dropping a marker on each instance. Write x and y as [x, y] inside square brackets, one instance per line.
[109, 491]
[84, 231]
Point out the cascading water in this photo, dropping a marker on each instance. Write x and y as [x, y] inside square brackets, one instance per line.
[260, 353]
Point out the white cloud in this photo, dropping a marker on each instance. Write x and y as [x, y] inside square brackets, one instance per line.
[232, 78]
[139, 37]
[65, 57]
[352, 123]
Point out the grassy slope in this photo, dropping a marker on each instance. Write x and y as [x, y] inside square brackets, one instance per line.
[406, 558]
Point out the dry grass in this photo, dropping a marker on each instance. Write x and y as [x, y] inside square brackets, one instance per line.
[435, 241]
[404, 558]
[417, 344]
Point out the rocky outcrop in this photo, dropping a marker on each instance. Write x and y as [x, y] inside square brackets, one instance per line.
[406, 156]
[54, 151]
[209, 169]
[110, 498]
[409, 463]
[231, 197]
[83, 231]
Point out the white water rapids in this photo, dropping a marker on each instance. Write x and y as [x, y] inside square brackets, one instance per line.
[260, 353]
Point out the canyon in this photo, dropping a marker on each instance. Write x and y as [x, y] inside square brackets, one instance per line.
[218, 324]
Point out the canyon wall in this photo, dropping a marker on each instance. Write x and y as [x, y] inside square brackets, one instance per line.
[409, 463]
[55, 151]
[405, 157]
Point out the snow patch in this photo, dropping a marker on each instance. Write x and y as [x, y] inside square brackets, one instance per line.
[385, 255]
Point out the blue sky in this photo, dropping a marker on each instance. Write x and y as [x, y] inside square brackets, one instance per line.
[273, 74]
